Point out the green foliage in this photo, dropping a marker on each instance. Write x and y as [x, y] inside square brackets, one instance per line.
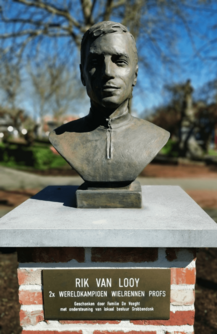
[37, 156]
[171, 148]
[212, 153]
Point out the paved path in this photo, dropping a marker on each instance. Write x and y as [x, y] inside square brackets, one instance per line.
[11, 179]
[186, 184]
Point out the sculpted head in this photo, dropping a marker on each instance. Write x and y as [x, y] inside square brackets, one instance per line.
[109, 64]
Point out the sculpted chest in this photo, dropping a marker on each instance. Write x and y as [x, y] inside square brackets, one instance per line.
[118, 155]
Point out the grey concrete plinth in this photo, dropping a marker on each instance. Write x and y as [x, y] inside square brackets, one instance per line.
[122, 197]
[168, 218]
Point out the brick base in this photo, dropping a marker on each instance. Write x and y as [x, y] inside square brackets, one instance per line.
[180, 261]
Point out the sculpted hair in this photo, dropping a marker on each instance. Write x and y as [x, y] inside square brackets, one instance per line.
[103, 28]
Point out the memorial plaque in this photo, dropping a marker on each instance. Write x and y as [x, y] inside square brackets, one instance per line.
[101, 294]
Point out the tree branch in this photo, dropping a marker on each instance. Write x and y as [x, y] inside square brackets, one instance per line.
[108, 10]
[118, 4]
[87, 11]
[33, 33]
[51, 9]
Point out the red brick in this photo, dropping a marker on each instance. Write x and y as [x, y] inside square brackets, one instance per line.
[178, 318]
[178, 332]
[29, 276]
[90, 322]
[30, 297]
[183, 275]
[182, 297]
[123, 332]
[22, 276]
[31, 318]
[124, 254]
[51, 332]
[50, 254]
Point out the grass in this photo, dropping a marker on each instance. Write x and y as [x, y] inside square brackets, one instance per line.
[170, 149]
[36, 156]
[212, 153]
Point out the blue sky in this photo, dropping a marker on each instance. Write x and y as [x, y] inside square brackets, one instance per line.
[197, 60]
[189, 64]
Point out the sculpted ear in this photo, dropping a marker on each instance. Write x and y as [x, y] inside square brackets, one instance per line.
[135, 75]
[82, 75]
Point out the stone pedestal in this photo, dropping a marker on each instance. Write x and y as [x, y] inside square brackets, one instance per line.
[50, 233]
[129, 196]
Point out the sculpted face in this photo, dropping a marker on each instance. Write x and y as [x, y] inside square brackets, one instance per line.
[110, 70]
[108, 147]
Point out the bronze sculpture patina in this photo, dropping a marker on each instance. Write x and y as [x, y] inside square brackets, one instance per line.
[109, 147]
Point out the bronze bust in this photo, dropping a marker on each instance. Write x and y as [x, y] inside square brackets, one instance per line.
[108, 146]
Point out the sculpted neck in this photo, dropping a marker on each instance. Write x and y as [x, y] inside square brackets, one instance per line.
[105, 113]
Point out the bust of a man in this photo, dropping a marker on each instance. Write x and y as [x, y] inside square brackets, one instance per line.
[109, 145]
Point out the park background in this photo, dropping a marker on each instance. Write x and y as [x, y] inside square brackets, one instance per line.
[40, 89]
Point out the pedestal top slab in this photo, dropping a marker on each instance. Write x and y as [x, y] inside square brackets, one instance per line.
[169, 218]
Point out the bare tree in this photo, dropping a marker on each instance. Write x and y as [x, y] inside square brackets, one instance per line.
[34, 30]
[208, 92]
[10, 90]
[31, 26]
[56, 89]
[195, 120]
[206, 123]
[10, 83]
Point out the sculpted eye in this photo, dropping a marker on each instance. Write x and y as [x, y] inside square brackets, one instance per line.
[119, 60]
[94, 61]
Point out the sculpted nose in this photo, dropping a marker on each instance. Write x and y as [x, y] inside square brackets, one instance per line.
[108, 68]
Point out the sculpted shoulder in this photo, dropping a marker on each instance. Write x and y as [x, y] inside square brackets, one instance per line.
[150, 132]
[78, 126]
